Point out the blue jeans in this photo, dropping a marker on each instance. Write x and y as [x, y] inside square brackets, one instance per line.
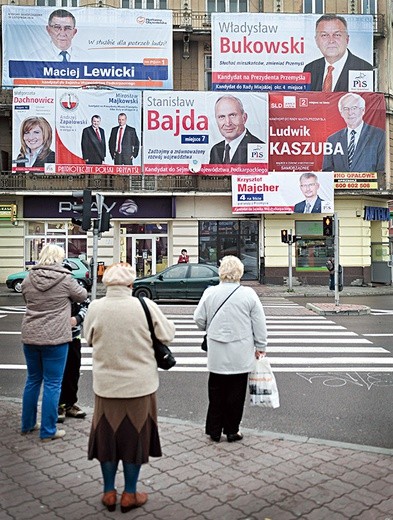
[45, 363]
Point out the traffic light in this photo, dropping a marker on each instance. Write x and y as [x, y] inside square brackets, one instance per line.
[284, 236]
[105, 219]
[327, 226]
[295, 238]
[83, 207]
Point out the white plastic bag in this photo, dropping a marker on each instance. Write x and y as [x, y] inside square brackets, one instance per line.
[263, 386]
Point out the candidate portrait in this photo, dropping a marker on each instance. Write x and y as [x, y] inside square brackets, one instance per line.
[330, 73]
[93, 142]
[231, 121]
[123, 142]
[359, 147]
[36, 140]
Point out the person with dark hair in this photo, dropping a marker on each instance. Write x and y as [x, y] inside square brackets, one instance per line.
[331, 72]
[93, 142]
[183, 257]
[36, 140]
[61, 29]
[123, 142]
[69, 387]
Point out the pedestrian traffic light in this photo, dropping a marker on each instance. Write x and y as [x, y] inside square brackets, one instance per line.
[105, 219]
[284, 236]
[83, 207]
[327, 226]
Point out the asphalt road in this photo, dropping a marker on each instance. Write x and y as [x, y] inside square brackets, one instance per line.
[345, 406]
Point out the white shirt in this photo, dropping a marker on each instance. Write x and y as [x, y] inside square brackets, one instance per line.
[338, 68]
[52, 53]
[234, 144]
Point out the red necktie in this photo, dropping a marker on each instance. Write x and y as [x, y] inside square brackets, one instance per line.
[328, 82]
[118, 149]
[98, 134]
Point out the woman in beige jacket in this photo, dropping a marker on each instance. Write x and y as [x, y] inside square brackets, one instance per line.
[125, 381]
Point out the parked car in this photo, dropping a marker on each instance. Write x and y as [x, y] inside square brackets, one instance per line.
[180, 281]
[80, 271]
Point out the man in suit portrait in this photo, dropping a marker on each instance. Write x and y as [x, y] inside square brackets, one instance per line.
[231, 121]
[61, 29]
[123, 142]
[362, 145]
[330, 73]
[93, 142]
[309, 186]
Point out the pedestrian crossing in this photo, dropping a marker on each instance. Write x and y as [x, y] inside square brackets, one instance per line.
[298, 341]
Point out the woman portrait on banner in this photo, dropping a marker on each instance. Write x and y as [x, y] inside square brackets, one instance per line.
[236, 336]
[36, 140]
[125, 382]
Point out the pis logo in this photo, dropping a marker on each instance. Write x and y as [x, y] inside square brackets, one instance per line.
[256, 153]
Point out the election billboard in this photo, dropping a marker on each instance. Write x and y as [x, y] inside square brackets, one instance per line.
[205, 133]
[279, 192]
[292, 52]
[86, 46]
[92, 131]
[312, 131]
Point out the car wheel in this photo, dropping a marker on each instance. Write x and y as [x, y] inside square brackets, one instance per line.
[17, 286]
[142, 292]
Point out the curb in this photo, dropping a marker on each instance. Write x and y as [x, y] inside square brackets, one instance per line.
[325, 309]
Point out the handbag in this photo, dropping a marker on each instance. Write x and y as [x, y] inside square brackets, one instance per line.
[162, 352]
[262, 385]
[204, 341]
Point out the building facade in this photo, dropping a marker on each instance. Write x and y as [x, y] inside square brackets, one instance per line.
[195, 211]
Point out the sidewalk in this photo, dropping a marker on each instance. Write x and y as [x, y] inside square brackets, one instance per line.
[264, 477]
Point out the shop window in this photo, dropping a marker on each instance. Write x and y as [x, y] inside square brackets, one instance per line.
[313, 249]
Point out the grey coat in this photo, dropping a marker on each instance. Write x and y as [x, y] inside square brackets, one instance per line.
[48, 291]
[237, 330]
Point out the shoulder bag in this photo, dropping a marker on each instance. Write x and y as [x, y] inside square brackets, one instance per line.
[204, 341]
[163, 355]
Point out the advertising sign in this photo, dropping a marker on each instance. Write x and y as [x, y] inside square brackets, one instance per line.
[205, 132]
[70, 131]
[278, 51]
[276, 192]
[313, 131]
[86, 46]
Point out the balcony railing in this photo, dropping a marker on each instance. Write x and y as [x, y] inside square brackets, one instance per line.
[10, 182]
[189, 21]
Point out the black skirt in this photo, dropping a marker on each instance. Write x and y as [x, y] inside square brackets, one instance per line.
[124, 429]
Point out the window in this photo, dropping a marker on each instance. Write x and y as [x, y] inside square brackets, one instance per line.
[227, 6]
[58, 3]
[144, 4]
[313, 250]
[208, 72]
[369, 7]
[218, 238]
[313, 6]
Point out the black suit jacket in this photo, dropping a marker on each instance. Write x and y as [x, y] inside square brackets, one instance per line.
[317, 69]
[129, 145]
[38, 163]
[300, 206]
[93, 150]
[239, 157]
[369, 153]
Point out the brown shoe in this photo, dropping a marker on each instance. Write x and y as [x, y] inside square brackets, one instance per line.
[109, 500]
[132, 500]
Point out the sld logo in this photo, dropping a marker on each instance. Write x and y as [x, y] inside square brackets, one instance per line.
[276, 105]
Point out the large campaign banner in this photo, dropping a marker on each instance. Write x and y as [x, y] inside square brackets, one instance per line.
[291, 52]
[91, 131]
[339, 132]
[205, 132]
[86, 46]
[279, 192]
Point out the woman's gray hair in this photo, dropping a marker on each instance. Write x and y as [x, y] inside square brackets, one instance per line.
[51, 254]
[231, 269]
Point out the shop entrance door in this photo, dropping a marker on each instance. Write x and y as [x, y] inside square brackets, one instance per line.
[143, 252]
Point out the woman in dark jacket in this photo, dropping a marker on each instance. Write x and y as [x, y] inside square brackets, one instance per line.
[48, 291]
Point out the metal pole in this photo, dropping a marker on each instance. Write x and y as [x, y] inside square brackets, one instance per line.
[95, 254]
[336, 260]
[290, 261]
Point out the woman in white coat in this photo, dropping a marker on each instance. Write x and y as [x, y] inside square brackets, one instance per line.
[236, 335]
